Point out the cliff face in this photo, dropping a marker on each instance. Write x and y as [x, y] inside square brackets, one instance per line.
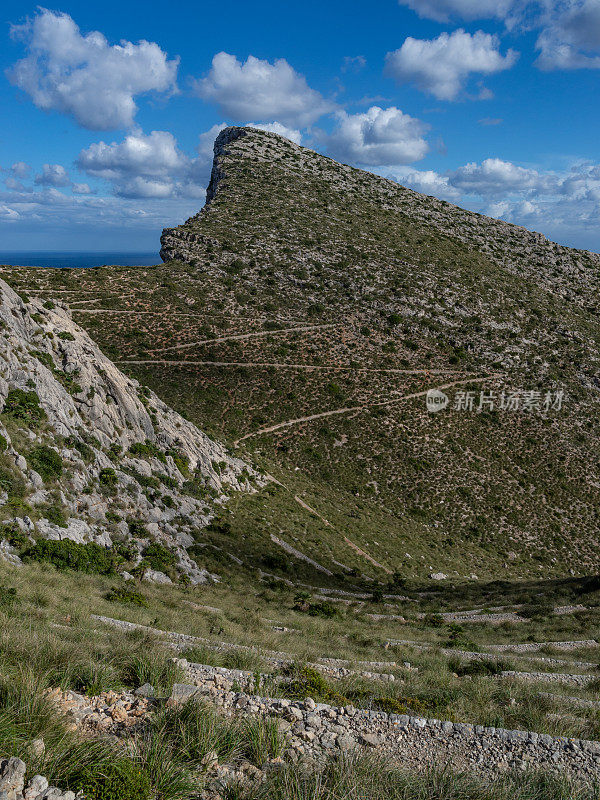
[92, 456]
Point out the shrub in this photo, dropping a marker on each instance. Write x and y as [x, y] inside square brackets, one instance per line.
[24, 405]
[55, 514]
[182, 462]
[46, 461]
[323, 609]
[308, 682]
[65, 554]
[108, 478]
[66, 336]
[137, 528]
[147, 449]
[14, 535]
[157, 556]
[120, 594]
[100, 772]
[11, 482]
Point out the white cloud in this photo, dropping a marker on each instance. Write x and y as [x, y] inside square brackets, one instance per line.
[570, 38]
[155, 154]
[147, 165]
[443, 10]
[495, 176]
[85, 77]
[257, 89]
[53, 175]
[276, 127]
[353, 63]
[20, 169]
[442, 66]
[425, 181]
[377, 137]
[81, 188]
[8, 214]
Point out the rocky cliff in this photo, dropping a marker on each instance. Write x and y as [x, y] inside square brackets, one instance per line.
[91, 456]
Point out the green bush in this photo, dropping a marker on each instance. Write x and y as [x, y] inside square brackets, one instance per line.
[45, 461]
[108, 478]
[55, 513]
[24, 405]
[137, 528]
[11, 482]
[65, 554]
[182, 462]
[14, 535]
[121, 594]
[147, 449]
[66, 336]
[158, 557]
[308, 682]
[99, 772]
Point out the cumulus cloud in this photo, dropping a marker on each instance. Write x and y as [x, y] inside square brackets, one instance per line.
[147, 165]
[20, 169]
[81, 188]
[84, 76]
[442, 66]
[257, 89]
[378, 136]
[425, 181]
[495, 176]
[570, 38]
[569, 30]
[53, 175]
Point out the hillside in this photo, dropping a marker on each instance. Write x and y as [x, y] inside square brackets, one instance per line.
[302, 316]
[96, 472]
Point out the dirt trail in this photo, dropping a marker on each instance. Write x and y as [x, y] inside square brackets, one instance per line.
[349, 409]
[283, 365]
[245, 336]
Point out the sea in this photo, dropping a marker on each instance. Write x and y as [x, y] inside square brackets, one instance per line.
[66, 259]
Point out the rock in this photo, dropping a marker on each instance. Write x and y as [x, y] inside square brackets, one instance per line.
[370, 739]
[154, 576]
[438, 576]
[145, 690]
[12, 778]
[38, 747]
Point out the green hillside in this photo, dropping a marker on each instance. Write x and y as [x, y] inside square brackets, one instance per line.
[301, 317]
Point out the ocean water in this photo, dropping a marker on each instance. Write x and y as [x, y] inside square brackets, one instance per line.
[52, 258]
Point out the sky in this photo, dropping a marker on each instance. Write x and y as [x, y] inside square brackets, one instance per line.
[110, 110]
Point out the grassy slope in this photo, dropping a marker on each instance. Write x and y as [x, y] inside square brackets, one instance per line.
[293, 240]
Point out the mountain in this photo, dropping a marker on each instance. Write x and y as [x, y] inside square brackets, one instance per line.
[301, 318]
[96, 470]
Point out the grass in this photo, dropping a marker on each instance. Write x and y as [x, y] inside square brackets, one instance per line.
[45, 623]
[372, 778]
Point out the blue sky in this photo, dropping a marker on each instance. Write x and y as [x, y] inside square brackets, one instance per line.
[110, 111]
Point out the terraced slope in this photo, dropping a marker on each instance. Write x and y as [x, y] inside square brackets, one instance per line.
[304, 313]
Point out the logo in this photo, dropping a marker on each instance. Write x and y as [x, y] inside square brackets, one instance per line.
[436, 400]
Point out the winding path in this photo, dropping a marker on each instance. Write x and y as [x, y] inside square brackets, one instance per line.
[349, 409]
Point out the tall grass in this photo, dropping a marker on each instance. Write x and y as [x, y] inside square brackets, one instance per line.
[366, 777]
